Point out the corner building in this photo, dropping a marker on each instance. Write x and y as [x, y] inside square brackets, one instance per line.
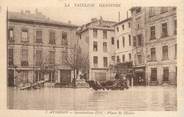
[36, 42]
[154, 33]
[97, 41]
[161, 45]
[123, 37]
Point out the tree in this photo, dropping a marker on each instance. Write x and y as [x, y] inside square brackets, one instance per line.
[77, 61]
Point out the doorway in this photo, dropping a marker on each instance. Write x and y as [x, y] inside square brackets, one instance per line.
[139, 79]
[65, 77]
[10, 78]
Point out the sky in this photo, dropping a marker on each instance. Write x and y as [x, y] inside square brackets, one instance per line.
[57, 10]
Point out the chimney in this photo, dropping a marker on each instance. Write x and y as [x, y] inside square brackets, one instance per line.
[22, 12]
[127, 14]
[69, 21]
[36, 11]
[119, 16]
[101, 19]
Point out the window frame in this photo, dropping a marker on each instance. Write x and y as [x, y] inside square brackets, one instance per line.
[123, 41]
[153, 54]
[95, 33]
[154, 74]
[24, 57]
[152, 33]
[105, 61]
[166, 55]
[10, 56]
[24, 39]
[105, 47]
[118, 44]
[39, 40]
[112, 40]
[95, 46]
[165, 76]
[95, 61]
[64, 38]
[104, 34]
[164, 30]
[52, 37]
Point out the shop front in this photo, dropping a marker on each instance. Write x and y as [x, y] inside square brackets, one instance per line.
[139, 76]
[65, 77]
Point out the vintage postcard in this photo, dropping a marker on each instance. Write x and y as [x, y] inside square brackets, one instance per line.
[92, 58]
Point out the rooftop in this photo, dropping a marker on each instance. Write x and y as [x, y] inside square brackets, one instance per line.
[98, 24]
[125, 20]
[37, 17]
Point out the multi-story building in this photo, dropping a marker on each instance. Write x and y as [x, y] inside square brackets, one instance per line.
[124, 48]
[123, 39]
[139, 32]
[154, 39]
[37, 47]
[98, 42]
[161, 46]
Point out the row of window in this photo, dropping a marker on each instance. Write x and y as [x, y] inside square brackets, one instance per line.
[95, 46]
[165, 76]
[123, 58]
[38, 57]
[165, 54]
[95, 33]
[123, 41]
[165, 51]
[164, 31]
[38, 76]
[95, 61]
[39, 36]
[138, 40]
[123, 26]
[152, 10]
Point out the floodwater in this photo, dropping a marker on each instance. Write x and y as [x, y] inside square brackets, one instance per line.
[150, 98]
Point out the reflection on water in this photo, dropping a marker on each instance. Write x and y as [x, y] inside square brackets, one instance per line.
[136, 99]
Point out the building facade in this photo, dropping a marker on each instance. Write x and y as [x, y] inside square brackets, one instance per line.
[37, 47]
[123, 37]
[97, 41]
[138, 34]
[154, 32]
[161, 46]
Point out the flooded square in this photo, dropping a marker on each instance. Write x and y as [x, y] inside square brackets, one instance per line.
[150, 98]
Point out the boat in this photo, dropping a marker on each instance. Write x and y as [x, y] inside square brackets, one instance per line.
[117, 84]
[34, 85]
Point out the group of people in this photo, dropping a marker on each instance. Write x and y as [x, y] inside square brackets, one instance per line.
[122, 80]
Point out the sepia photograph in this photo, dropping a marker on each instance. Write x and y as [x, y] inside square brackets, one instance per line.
[91, 58]
[75, 59]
